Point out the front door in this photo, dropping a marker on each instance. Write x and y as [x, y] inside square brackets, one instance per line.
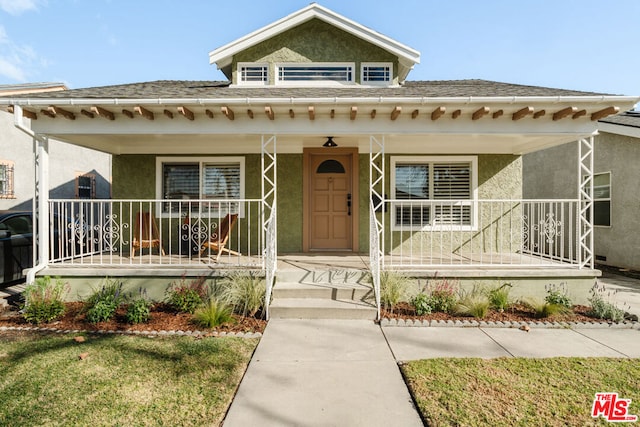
[330, 200]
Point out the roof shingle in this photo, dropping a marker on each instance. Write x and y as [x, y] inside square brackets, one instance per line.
[178, 89]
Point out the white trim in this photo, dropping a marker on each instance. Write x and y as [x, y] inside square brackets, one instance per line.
[438, 160]
[363, 65]
[619, 129]
[603, 199]
[160, 160]
[241, 82]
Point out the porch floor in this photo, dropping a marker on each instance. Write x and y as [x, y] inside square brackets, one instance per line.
[452, 266]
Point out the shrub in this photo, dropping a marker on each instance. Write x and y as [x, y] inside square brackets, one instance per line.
[185, 296]
[499, 297]
[44, 301]
[244, 293]
[443, 295]
[473, 303]
[422, 304]
[601, 307]
[557, 294]
[393, 288]
[544, 309]
[102, 304]
[213, 313]
[139, 309]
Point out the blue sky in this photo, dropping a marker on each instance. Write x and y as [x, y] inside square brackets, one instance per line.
[572, 44]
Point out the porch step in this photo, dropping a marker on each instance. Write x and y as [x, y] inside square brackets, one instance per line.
[321, 299]
[320, 308]
[341, 291]
[328, 276]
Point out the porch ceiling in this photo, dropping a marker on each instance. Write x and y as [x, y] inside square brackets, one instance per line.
[509, 125]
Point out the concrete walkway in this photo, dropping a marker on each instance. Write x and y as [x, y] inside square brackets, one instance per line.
[322, 373]
[345, 372]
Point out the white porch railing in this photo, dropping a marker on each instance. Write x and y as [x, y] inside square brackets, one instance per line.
[474, 233]
[271, 260]
[104, 232]
[375, 256]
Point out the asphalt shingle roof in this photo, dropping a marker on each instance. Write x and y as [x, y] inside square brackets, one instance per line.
[628, 118]
[221, 89]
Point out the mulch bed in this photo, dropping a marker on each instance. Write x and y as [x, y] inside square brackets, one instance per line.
[516, 313]
[163, 318]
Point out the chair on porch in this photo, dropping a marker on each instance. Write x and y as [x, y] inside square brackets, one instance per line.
[218, 241]
[145, 234]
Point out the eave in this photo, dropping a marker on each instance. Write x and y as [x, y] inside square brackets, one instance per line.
[514, 125]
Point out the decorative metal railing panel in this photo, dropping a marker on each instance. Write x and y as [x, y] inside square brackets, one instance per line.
[375, 253]
[471, 233]
[151, 233]
[271, 260]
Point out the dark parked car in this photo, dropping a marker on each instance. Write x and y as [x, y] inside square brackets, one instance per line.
[16, 246]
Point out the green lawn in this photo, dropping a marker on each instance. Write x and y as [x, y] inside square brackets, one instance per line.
[519, 392]
[124, 380]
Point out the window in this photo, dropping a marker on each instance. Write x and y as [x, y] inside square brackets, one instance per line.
[213, 178]
[433, 192]
[6, 180]
[602, 199]
[253, 74]
[86, 186]
[316, 73]
[376, 73]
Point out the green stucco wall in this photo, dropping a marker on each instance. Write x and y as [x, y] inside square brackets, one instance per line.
[499, 177]
[314, 41]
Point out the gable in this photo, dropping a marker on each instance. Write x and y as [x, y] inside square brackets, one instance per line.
[404, 56]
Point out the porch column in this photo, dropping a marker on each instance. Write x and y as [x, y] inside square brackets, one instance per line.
[585, 192]
[269, 215]
[376, 191]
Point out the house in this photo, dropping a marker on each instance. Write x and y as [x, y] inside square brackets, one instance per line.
[318, 145]
[616, 179]
[75, 172]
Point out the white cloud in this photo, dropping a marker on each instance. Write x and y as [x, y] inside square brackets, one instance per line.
[17, 61]
[11, 71]
[16, 7]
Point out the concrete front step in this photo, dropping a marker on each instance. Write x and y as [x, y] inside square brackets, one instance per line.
[329, 276]
[353, 292]
[316, 308]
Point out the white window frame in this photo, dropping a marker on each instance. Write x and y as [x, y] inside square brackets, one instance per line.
[604, 199]
[473, 160]
[375, 82]
[201, 161]
[242, 65]
[310, 82]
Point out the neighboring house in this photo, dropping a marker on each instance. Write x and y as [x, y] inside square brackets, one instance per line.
[319, 144]
[551, 174]
[75, 172]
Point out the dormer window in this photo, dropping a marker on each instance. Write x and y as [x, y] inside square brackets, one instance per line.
[253, 74]
[377, 73]
[315, 73]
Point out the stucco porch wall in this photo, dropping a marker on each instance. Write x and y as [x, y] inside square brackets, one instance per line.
[526, 283]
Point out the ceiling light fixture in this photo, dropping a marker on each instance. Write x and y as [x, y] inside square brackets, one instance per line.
[330, 143]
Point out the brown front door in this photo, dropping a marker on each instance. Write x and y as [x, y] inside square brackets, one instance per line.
[330, 200]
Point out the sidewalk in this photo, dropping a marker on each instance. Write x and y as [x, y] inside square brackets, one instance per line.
[345, 373]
